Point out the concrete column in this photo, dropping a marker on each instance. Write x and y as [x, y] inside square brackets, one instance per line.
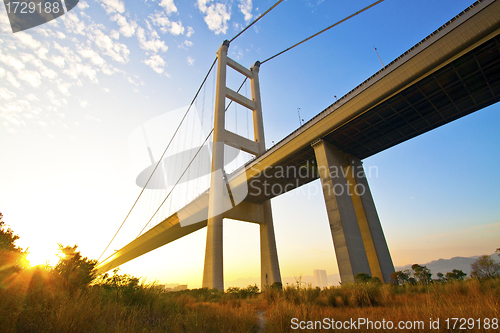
[379, 252]
[346, 234]
[213, 272]
[269, 265]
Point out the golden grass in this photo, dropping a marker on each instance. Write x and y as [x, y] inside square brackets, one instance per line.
[37, 301]
[459, 299]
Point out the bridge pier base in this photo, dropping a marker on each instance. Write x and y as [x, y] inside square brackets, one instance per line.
[269, 265]
[358, 238]
[213, 272]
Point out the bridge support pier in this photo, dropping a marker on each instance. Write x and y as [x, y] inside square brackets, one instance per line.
[358, 238]
[269, 265]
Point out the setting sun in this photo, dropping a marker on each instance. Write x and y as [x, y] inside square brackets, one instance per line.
[42, 255]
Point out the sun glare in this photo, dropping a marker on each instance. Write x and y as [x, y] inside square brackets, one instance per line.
[42, 256]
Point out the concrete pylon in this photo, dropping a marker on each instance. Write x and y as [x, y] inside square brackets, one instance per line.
[269, 265]
[219, 198]
[378, 253]
[213, 272]
[358, 238]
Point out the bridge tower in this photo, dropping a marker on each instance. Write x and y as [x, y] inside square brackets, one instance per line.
[223, 201]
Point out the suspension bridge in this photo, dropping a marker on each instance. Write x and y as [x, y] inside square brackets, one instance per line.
[215, 168]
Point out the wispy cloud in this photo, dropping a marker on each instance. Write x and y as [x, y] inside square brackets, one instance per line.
[150, 41]
[117, 51]
[245, 7]
[127, 28]
[165, 25]
[112, 6]
[156, 63]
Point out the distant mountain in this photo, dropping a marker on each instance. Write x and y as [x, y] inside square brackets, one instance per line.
[436, 266]
[447, 265]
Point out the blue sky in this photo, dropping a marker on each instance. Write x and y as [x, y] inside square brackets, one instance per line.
[72, 91]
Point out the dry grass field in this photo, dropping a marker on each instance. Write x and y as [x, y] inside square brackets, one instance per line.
[38, 300]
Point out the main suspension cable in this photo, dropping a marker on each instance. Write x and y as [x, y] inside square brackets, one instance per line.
[161, 158]
[318, 33]
[182, 120]
[187, 167]
[255, 21]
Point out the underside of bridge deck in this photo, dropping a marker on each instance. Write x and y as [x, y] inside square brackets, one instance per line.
[467, 84]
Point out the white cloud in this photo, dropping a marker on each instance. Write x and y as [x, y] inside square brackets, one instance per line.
[4, 21]
[42, 52]
[13, 111]
[190, 61]
[96, 59]
[154, 44]
[190, 32]
[76, 69]
[2, 72]
[43, 32]
[84, 103]
[216, 15]
[73, 23]
[12, 80]
[245, 7]
[92, 55]
[156, 63]
[11, 61]
[127, 29]
[113, 6]
[31, 97]
[176, 28]
[82, 5]
[169, 6]
[52, 97]
[33, 78]
[117, 51]
[64, 88]
[58, 61]
[186, 44]
[114, 34]
[27, 40]
[6, 93]
[165, 25]
[106, 90]
[44, 71]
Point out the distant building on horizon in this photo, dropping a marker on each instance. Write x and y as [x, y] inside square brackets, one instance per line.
[320, 278]
[178, 287]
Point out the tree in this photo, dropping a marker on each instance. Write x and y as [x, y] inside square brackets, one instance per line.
[485, 267]
[456, 274]
[421, 273]
[11, 255]
[76, 270]
[362, 278]
[400, 277]
[7, 238]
